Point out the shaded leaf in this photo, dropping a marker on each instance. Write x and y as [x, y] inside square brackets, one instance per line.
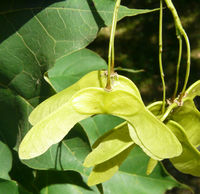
[5, 161]
[71, 68]
[10, 187]
[62, 182]
[16, 109]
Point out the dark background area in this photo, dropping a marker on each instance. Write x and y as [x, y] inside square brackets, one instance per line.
[136, 47]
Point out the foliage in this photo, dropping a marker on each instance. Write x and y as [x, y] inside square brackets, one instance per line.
[43, 52]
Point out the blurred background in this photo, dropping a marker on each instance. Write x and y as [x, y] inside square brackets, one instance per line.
[136, 47]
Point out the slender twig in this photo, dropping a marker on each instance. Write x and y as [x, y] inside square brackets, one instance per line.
[111, 45]
[160, 55]
[183, 33]
[178, 66]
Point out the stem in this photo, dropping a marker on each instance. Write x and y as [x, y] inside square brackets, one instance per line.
[169, 109]
[111, 45]
[160, 55]
[183, 33]
[178, 66]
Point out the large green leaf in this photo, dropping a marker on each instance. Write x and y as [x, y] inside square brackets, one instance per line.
[35, 34]
[5, 161]
[10, 187]
[146, 130]
[14, 118]
[63, 182]
[132, 178]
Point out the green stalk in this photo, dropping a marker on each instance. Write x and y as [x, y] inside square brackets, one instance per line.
[178, 66]
[111, 45]
[160, 56]
[183, 33]
[169, 109]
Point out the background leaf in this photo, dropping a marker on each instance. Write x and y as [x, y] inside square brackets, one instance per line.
[5, 161]
[71, 68]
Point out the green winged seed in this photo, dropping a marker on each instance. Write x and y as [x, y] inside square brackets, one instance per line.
[55, 117]
[49, 131]
[189, 118]
[148, 131]
[92, 79]
[151, 165]
[189, 161]
[110, 146]
[104, 171]
[193, 90]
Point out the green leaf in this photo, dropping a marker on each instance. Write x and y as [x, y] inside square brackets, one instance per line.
[189, 118]
[189, 161]
[66, 155]
[104, 171]
[71, 68]
[110, 146]
[132, 178]
[36, 34]
[146, 130]
[5, 161]
[14, 120]
[10, 187]
[63, 182]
